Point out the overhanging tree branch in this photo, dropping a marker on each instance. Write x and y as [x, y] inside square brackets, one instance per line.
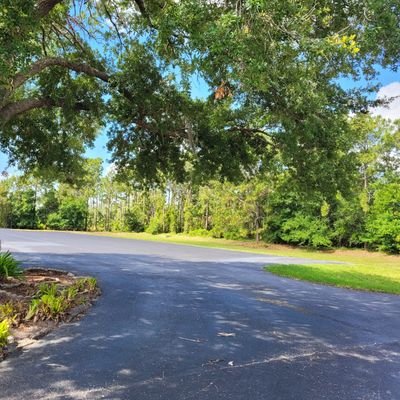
[140, 5]
[19, 107]
[8, 111]
[45, 6]
[40, 65]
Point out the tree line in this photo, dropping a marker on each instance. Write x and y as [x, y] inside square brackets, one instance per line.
[269, 206]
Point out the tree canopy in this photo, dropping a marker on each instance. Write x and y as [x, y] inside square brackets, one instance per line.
[69, 68]
[271, 206]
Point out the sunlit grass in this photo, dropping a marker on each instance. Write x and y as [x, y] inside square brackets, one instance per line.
[361, 277]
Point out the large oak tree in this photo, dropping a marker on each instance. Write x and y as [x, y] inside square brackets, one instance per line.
[70, 68]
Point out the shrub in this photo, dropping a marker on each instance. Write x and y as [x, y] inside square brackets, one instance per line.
[13, 312]
[51, 303]
[9, 266]
[89, 284]
[217, 233]
[155, 226]
[383, 224]
[135, 218]
[47, 289]
[235, 233]
[71, 215]
[200, 232]
[48, 306]
[24, 209]
[54, 221]
[70, 293]
[306, 230]
[4, 332]
[8, 312]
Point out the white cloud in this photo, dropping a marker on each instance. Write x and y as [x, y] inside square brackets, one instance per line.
[392, 110]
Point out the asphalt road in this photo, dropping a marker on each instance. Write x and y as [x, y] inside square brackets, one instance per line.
[154, 333]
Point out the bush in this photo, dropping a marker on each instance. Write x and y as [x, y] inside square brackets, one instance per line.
[47, 289]
[133, 222]
[9, 266]
[71, 216]
[51, 302]
[235, 233]
[217, 233]
[8, 312]
[48, 306]
[4, 332]
[200, 232]
[383, 224]
[70, 293]
[86, 284]
[24, 210]
[12, 312]
[306, 230]
[155, 226]
[54, 221]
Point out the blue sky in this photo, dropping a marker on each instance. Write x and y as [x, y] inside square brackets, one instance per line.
[389, 80]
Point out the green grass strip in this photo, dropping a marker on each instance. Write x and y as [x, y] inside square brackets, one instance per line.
[348, 276]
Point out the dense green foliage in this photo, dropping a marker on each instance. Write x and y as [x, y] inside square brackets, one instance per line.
[383, 223]
[232, 212]
[268, 151]
[273, 206]
[271, 70]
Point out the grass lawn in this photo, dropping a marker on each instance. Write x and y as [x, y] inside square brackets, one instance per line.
[363, 270]
[361, 277]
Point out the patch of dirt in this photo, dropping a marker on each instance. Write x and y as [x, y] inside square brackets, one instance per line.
[18, 295]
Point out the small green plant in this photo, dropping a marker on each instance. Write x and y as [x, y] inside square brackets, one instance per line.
[70, 293]
[4, 332]
[9, 266]
[33, 309]
[46, 307]
[49, 304]
[47, 289]
[53, 306]
[80, 284]
[89, 284]
[9, 313]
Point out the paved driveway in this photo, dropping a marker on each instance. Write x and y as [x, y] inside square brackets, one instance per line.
[154, 333]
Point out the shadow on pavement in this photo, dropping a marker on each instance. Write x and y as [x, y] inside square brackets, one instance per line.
[173, 329]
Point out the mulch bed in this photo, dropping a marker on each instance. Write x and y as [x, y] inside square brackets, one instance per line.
[19, 292]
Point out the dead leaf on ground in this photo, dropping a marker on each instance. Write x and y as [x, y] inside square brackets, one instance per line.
[226, 334]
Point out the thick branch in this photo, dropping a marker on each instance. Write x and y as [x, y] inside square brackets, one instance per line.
[45, 6]
[142, 8]
[140, 5]
[8, 111]
[19, 107]
[40, 65]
